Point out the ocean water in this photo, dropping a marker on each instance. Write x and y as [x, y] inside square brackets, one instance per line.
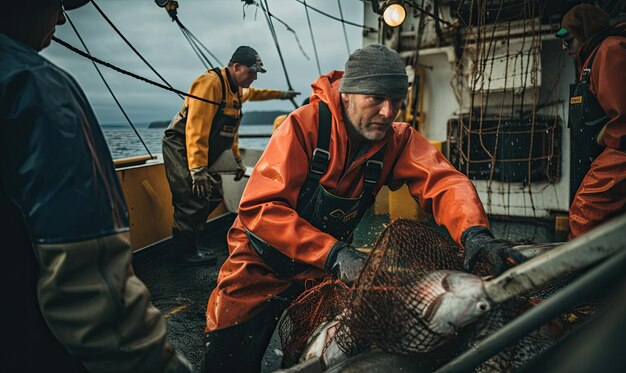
[123, 142]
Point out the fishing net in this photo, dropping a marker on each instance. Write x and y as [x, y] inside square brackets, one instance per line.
[319, 304]
[386, 307]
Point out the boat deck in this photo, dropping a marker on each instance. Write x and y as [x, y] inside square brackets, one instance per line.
[181, 292]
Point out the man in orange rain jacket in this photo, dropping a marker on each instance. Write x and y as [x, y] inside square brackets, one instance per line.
[318, 175]
[198, 135]
[597, 114]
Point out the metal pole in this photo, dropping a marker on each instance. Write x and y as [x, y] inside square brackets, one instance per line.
[586, 285]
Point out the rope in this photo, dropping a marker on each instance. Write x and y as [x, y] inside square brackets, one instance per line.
[129, 44]
[345, 34]
[128, 73]
[200, 43]
[193, 41]
[295, 35]
[414, 5]
[306, 9]
[338, 19]
[266, 11]
[203, 59]
[107, 85]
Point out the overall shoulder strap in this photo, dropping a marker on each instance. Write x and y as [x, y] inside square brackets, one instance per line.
[321, 156]
[217, 71]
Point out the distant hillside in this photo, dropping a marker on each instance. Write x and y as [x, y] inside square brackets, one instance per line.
[250, 118]
[159, 124]
[260, 117]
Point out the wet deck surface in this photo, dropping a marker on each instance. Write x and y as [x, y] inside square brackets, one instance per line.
[181, 292]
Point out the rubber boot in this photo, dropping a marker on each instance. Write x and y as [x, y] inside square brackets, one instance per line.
[186, 251]
[240, 348]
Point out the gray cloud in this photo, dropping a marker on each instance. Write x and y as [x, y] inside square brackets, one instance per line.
[220, 25]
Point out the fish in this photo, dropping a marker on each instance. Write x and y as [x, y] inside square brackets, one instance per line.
[323, 346]
[443, 302]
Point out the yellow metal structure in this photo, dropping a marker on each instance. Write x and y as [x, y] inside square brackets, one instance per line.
[149, 203]
[408, 114]
[402, 204]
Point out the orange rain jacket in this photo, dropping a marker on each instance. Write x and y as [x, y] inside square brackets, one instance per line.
[268, 203]
[200, 114]
[602, 193]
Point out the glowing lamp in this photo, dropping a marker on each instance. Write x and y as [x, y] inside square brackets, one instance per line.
[394, 14]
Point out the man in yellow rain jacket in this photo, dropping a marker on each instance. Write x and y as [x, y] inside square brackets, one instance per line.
[198, 135]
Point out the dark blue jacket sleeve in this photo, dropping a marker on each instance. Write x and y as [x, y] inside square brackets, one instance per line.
[57, 166]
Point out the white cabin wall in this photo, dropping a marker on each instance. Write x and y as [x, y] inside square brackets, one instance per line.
[439, 100]
[538, 200]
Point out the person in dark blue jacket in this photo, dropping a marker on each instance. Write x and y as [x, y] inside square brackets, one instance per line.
[71, 301]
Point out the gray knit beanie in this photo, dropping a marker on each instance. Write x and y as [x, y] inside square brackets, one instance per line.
[375, 70]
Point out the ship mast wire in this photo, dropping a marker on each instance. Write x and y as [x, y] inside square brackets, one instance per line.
[193, 41]
[128, 73]
[266, 12]
[197, 41]
[421, 9]
[107, 85]
[130, 45]
[317, 60]
[370, 29]
[295, 34]
[345, 34]
[201, 56]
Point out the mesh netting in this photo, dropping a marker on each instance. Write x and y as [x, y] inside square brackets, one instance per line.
[385, 308]
[322, 303]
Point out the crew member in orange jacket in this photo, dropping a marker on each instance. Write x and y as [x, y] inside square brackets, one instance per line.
[319, 173]
[598, 105]
[198, 135]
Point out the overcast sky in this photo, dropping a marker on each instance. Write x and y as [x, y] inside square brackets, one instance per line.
[221, 26]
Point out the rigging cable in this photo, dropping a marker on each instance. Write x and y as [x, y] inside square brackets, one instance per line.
[266, 11]
[193, 41]
[128, 73]
[108, 87]
[345, 34]
[295, 35]
[306, 9]
[370, 29]
[130, 45]
[180, 24]
[437, 18]
[203, 58]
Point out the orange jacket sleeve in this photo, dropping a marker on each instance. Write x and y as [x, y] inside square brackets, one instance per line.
[608, 81]
[200, 117]
[438, 186]
[268, 205]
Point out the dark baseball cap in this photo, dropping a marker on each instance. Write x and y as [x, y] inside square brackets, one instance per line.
[249, 57]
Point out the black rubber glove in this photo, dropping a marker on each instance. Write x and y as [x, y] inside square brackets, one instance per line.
[241, 169]
[480, 245]
[345, 262]
[202, 182]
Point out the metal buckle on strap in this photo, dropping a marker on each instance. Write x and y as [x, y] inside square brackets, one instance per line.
[372, 174]
[585, 75]
[319, 163]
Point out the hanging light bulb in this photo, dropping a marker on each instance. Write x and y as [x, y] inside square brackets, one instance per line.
[394, 14]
